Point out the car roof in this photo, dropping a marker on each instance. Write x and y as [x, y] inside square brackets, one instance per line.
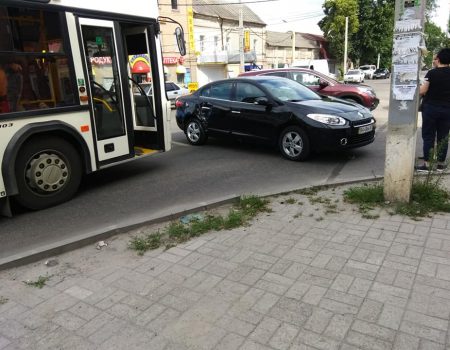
[272, 70]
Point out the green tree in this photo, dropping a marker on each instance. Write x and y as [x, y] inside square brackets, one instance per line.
[376, 25]
[435, 39]
[333, 25]
[371, 27]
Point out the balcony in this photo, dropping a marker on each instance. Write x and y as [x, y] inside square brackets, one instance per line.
[217, 56]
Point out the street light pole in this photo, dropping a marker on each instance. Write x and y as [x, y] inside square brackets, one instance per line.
[345, 45]
[241, 38]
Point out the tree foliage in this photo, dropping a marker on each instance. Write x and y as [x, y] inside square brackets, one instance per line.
[333, 24]
[371, 26]
[435, 39]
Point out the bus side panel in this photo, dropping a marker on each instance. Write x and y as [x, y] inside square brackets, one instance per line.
[142, 8]
[78, 121]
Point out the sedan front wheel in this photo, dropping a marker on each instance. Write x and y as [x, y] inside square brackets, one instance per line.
[294, 143]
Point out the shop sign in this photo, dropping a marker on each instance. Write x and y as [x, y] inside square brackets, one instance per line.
[170, 60]
[101, 60]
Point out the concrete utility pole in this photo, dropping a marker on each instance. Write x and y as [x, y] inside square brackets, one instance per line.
[241, 38]
[404, 100]
[293, 47]
[345, 45]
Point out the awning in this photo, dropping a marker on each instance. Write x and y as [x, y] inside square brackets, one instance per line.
[180, 69]
[140, 67]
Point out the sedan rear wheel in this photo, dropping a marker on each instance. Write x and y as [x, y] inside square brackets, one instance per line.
[294, 143]
[195, 133]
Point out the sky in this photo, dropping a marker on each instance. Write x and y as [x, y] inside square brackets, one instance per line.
[303, 15]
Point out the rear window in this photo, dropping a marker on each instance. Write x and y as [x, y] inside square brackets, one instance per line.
[221, 91]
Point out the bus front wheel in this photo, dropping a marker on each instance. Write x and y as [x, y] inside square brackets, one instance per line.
[48, 172]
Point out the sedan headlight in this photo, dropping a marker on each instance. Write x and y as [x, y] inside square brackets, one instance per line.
[328, 119]
[366, 90]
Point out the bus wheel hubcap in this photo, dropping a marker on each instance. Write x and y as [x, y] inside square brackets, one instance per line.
[47, 172]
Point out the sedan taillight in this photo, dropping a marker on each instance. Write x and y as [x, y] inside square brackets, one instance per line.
[179, 104]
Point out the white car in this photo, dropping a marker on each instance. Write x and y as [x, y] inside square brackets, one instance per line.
[173, 90]
[369, 70]
[354, 76]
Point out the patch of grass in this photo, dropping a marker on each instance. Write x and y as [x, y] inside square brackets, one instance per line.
[144, 243]
[39, 283]
[290, 200]
[178, 232]
[311, 191]
[318, 199]
[298, 215]
[427, 196]
[3, 300]
[367, 194]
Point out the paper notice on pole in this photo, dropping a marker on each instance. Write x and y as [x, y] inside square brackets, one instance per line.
[404, 73]
[404, 92]
[407, 25]
[406, 48]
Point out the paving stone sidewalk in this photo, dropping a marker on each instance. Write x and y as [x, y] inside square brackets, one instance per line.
[309, 275]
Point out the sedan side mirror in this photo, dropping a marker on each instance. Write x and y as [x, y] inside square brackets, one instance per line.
[323, 84]
[263, 101]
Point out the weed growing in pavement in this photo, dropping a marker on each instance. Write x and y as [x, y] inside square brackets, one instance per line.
[39, 283]
[3, 300]
[311, 191]
[427, 196]
[290, 200]
[177, 232]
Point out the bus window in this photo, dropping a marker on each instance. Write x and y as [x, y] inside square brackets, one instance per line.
[104, 79]
[34, 61]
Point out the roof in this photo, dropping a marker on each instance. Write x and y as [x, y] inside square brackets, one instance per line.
[302, 40]
[219, 8]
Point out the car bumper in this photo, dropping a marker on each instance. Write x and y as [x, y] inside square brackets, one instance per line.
[329, 139]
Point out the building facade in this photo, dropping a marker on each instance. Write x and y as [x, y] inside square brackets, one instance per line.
[213, 42]
[216, 39]
[177, 68]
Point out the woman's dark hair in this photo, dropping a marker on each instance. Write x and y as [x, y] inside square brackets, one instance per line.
[444, 56]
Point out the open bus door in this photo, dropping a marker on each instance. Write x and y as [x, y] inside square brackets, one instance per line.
[145, 93]
[99, 41]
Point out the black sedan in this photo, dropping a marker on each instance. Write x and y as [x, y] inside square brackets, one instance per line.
[381, 73]
[274, 110]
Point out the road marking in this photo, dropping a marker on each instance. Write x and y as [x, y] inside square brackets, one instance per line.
[180, 144]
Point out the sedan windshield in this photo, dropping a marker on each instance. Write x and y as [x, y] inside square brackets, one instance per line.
[288, 90]
[353, 72]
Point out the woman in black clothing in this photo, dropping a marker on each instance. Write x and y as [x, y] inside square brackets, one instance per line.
[436, 111]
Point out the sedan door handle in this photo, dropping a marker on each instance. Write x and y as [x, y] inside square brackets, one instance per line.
[236, 112]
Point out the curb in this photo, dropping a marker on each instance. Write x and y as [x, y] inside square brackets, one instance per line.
[79, 241]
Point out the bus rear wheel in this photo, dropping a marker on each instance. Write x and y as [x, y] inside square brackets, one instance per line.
[48, 172]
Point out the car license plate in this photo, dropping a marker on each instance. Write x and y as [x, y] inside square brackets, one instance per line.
[365, 129]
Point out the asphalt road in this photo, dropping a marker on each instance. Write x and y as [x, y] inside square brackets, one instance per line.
[183, 178]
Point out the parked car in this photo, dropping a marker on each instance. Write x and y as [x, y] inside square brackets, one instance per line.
[369, 70]
[173, 90]
[354, 76]
[381, 73]
[276, 111]
[324, 85]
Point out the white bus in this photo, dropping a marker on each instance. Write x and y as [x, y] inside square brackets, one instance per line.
[70, 103]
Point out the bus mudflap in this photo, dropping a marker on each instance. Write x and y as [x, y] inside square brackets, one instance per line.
[5, 207]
